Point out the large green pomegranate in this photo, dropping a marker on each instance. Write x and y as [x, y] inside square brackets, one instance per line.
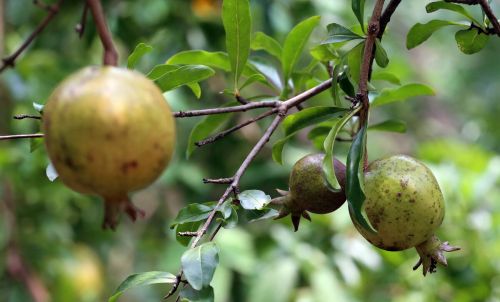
[404, 204]
[108, 131]
[309, 191]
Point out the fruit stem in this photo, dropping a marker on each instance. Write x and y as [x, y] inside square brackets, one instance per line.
[113, 206]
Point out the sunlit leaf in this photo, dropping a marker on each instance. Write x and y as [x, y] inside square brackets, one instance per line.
[358, 7]
[237, 24]
[199, 263]
[389, 125]
[471, 40]
[323, 53]
[253, 199]
[402, 93]
[35, 143]
[169, 77]
[195, 88]
[419, 33]
[38, 107]
[294, 44]
[434, 6]
[140, 50]
[261, 41]
[142, 279]
[354, 60]
[193, 212]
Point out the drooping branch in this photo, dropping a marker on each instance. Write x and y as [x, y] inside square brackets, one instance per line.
[10, 61]
[110, 53]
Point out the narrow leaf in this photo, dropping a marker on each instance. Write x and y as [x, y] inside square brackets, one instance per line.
[470, 41]
[402, 93]
[380, 54]
[294, 44]
[140, 50]
[195, 88]
[354, 59]
[419, 33]
[323, 53]
[328, 167]
[338, 33]
[261, 41]
[389, 125]
[237, 24]
[253, 199]
[434, 6]
[179, 75]
[142, 279]
[358, 7]
[199, 263]
[355, 178]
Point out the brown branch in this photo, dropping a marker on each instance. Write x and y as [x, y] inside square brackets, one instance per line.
[491, 16]
[385, 18]
[11, 60]
[468, 2]
[366, 65]
[110, 54]
[239, 108]
[224, 133]
[19, 136]
[218, 180]
[80, 27]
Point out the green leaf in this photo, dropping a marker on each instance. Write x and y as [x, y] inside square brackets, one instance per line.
[390, 126]
[294, 44]
[199, 263]
[419, 33]
[229, 220]
[51, 172]
[258, 215]
[261, 41]
[386, 76]
[358, 7]
[140, 50]
[323, 53]
[402, 93]
[219, 60]
[142, 279]
[355, 178]
[186, 227]
[380, 54]
[434, 6]
[338, 33]
[205, 127]
[253, 199]
[300, 120]
[195, 88]
[193, 212]
[168, 77]
[254, 78]
[237, 24]
[35, 143]
[189, 294]
[328, 167]
[354, 58]
[471, 40]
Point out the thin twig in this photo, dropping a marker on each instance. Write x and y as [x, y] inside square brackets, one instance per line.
[241, 99]
[80, 27]
[468, 2]
[11, 60]
[385, 18]
[187, 234]
[24, 116]
[110, 53]
[224, 133]
[491, 16]
[225, 181]
[19, 136]
[239, 108]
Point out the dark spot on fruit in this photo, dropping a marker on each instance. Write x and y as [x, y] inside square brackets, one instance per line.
[412, 200]
[157, 146]
[108, 136]
[399, 195]
[404, 183]
[90, 157]
[68, 161]
[130, 165]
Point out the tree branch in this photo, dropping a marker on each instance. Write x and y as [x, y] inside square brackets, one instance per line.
[491, 16]
[385, 18]
[239, 108]
[80, 27]
[11, 60]
[366, 65]
[30, 116]
[110, 53]
[18, 136]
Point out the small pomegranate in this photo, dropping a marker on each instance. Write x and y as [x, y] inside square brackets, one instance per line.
[405, 205]
[309, 191]
[108, 132]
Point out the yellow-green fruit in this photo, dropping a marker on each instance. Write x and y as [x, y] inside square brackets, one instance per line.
[108, 131]
[403, 203]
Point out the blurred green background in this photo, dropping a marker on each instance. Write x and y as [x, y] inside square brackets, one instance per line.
[58, 233]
